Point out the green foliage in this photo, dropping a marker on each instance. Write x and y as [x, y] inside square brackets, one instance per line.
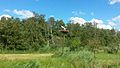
[75, 43]
[113, 48]
[73, 49]
[38, 34]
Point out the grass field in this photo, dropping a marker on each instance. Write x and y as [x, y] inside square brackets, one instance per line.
[102, 60]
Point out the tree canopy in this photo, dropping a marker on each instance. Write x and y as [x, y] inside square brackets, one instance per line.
[36, 33]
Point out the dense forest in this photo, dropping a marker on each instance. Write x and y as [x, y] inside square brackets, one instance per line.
[38, 34]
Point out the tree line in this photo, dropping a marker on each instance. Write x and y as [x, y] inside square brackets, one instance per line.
[36, 34]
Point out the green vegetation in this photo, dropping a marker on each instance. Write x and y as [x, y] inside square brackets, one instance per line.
[37, 34]
[81, 59]
[69, 45]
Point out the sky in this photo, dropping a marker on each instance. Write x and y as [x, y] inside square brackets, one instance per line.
[104, 12]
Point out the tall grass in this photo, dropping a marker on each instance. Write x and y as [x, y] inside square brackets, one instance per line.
[67, 59]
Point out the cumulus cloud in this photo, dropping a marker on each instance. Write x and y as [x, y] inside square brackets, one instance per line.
[117, 18]
[76, 20]
[20, 13]
[115, 21]
[23, 13]
[111, 23]
[103, 26]
[96, 21]
[114, 1]
[100, 23]
[5, 15]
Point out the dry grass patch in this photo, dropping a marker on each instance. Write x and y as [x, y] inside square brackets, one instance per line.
[23, 56]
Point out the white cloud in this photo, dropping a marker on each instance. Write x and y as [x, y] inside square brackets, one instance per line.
[5, 15]
[111, 23]
[115, 21]
[103, 26]
[76, 20]
[114, 1]
[117, 18]
[100, 23]
[23, 13]
[96, 21]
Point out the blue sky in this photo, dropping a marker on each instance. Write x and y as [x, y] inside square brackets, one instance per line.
[106, 12]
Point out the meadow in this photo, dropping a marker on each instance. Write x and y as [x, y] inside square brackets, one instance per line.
[81, 59]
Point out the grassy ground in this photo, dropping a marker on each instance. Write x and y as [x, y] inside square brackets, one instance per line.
[102, 60]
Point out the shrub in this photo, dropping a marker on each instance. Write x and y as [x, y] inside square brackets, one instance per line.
[113, 48]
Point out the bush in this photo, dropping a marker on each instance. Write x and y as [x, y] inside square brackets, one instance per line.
[113, 48]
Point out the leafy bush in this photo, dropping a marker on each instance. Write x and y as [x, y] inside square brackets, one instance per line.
[113, 48]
